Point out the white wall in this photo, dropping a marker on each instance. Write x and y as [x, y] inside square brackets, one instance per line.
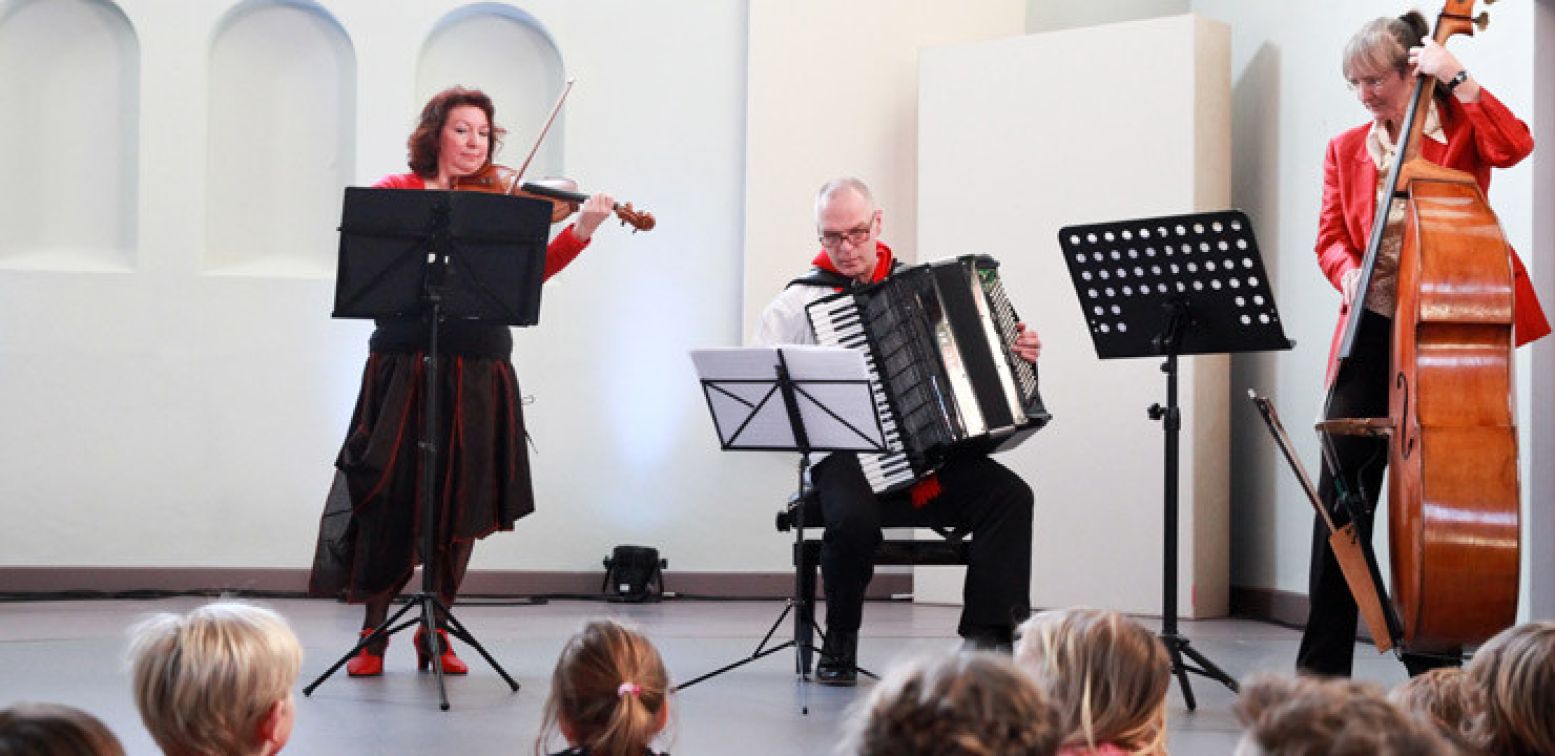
[833, 91]
[1541, 520]
[159, 414]
[1051, 15]
[1006, 160]
[164, 414]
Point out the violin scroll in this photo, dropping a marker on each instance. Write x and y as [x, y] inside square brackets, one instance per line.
[639, 220]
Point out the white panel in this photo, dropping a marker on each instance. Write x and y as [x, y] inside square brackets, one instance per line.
[282, 110]
[69, 121]
[506, 54]
[833, 92]
[1018, 138]
[178, 418]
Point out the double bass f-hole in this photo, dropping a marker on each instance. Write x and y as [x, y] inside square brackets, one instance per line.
[1407, 432]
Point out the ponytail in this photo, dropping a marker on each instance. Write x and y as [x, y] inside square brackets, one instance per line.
[610, 688]
[631, 726]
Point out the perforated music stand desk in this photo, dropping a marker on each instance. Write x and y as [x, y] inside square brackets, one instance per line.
[1161, 287]
[790, 398]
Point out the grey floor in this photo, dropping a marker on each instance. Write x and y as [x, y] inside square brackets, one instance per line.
[73, 652]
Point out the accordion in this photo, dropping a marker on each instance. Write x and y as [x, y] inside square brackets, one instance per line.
[936, 340]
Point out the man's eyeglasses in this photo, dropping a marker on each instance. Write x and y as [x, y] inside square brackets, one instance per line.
[856, 236]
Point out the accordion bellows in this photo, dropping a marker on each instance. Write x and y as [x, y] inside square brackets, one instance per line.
[937, 341]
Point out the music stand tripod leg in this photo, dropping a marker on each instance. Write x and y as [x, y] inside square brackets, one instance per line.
[383, 630]
[1177, 645]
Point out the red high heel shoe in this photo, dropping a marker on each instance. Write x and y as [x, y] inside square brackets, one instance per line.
[366, 663]
[452, 665]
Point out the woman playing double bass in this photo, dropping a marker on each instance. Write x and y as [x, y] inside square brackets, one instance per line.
[483, 484]
[1467, 129]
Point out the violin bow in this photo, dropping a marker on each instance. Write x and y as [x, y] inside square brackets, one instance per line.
[555, 110]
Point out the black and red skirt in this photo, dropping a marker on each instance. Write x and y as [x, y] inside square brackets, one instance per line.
[370, 534]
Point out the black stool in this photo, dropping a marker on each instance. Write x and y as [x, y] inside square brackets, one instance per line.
[954, 549]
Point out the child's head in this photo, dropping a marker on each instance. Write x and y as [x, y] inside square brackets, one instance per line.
[1286, 716]
[609, 693]
[1445, 698]
[971, 704]
[40, 729]
[216, 680]
[1516, 672]
[1105, 673]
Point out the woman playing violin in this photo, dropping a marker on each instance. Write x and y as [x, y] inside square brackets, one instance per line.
[483, 478]
[1467, 129]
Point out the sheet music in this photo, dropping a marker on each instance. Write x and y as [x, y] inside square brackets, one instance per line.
[832, 391]
[834, 398]
[742, 395]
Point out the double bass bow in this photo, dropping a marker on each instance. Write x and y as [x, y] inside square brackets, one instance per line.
[562, 193]
[1454, 521]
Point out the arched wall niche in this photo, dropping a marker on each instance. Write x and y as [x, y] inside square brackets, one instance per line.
[508, 54]
[69, 135]
[281, 135]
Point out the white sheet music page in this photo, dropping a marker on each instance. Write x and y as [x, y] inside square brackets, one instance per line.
[741, 388]
[831, 389]
[835, 403]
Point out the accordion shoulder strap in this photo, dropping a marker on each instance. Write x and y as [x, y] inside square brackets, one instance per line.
[831, 279]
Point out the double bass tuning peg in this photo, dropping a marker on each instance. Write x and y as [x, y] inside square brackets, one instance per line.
[1483, 19]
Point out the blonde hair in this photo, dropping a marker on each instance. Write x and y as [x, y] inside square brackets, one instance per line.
[204, 681]
[972, 704]
[1444, 698]
[44, 729]
[1284, 716]
[1516, 673]
[1106, 674]
[1383, 45]
[609, 689]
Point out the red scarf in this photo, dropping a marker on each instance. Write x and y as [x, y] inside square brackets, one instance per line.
[883, 262]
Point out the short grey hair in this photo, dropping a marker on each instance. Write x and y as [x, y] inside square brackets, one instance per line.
[1383, 44]
[831, 188]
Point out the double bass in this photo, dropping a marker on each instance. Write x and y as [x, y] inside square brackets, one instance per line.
[1454, 525]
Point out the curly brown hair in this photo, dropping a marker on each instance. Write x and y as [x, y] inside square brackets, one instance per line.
[44, 729]
[972, 704]
[1444, 698]
[1285, 716]
[424, 140]
[1516, 673]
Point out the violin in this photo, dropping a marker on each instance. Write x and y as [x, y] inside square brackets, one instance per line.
[562, 193]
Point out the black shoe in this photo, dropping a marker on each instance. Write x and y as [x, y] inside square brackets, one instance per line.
[839, 660]
[995, 640]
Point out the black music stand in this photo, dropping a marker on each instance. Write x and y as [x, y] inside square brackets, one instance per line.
[441, 256]
[1166, 286]
[791, 398]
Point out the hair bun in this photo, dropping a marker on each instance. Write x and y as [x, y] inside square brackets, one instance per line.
[1418, 26]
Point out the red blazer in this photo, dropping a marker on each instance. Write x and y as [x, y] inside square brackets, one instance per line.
[1479, 135]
